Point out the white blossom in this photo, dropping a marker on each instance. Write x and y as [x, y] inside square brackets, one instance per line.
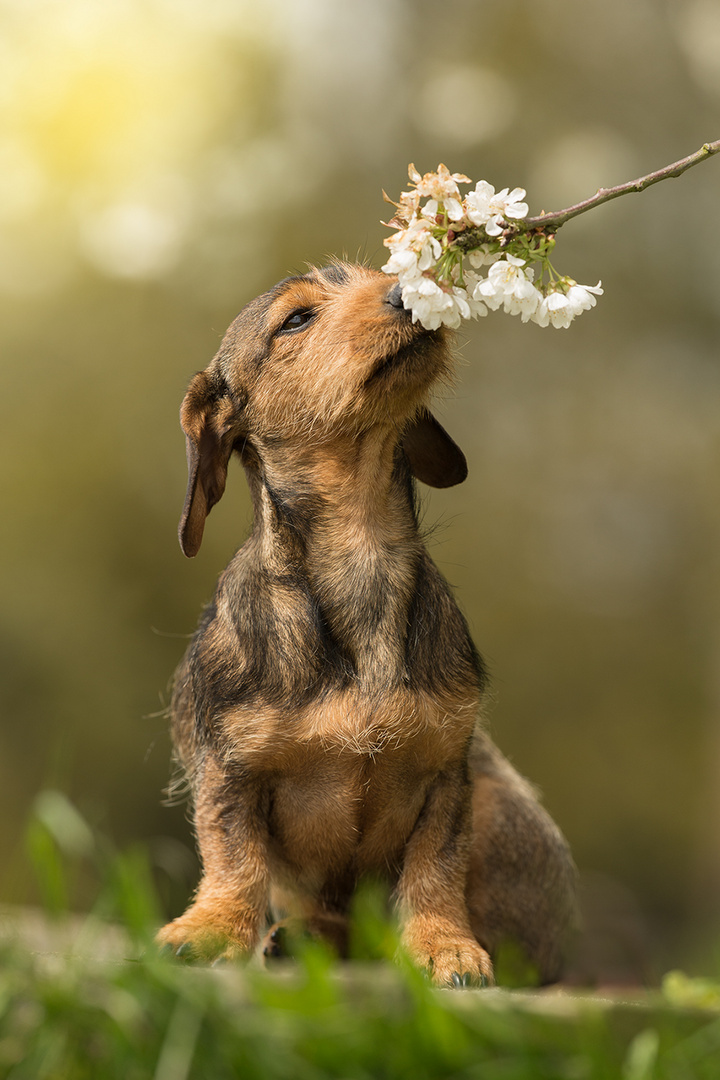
[509, 284]
[442, 188]
[487, 292]
[404, 263]
[553, 310]
[559, 308]
[408, 207]
[582, 297]
[485, 207]
[482, 256]
[523, 300]
[434, 306]
[453, 208]
[413, 250]
[438, 185]
[478, 308]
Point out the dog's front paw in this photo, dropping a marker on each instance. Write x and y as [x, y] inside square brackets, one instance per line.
[460, 965]
[195, 938]
[451, 960]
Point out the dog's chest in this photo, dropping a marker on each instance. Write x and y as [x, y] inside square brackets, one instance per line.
[336, 807]
[346, 780]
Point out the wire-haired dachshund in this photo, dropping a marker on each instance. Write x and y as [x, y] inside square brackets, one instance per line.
[326, 711]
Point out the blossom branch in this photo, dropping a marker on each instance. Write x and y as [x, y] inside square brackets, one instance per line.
[491, 230]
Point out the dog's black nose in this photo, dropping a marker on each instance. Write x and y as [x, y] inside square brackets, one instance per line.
[394, 297]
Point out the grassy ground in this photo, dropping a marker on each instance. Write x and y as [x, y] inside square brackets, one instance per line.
[82, 998]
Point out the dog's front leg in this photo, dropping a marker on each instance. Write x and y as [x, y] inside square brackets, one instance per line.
[231, 902]
[431, 891]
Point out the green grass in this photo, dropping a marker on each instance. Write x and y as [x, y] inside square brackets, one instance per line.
[86, 1011]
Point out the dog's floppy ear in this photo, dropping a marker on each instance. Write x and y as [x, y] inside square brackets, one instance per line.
[208, 417]
[434, 457]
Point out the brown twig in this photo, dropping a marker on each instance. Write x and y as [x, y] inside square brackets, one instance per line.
[559, 217]
[551, 222]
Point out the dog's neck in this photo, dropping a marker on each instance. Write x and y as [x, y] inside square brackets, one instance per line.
[342, 515]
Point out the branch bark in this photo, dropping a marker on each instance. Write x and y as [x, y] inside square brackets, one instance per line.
[550, 223]
[557, 218]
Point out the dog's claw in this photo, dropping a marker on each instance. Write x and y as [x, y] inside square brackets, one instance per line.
[467, 982]
[275, 946]
[184, 951]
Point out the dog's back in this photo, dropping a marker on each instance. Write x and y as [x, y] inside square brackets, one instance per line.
[326, 710]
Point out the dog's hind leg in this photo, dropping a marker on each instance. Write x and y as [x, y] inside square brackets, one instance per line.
[281, 939]
[521, 880]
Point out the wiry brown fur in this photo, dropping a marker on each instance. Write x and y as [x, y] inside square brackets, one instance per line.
[326, 710]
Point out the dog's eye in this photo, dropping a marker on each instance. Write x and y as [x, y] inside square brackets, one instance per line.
[297, 320]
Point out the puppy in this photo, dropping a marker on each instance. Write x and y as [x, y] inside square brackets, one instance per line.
[326, 711]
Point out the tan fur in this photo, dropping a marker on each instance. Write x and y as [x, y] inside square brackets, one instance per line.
[326, 712]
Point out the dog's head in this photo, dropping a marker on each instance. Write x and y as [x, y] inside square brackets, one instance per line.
[328, 354]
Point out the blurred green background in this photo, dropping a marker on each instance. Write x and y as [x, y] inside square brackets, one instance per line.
[163, 161]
